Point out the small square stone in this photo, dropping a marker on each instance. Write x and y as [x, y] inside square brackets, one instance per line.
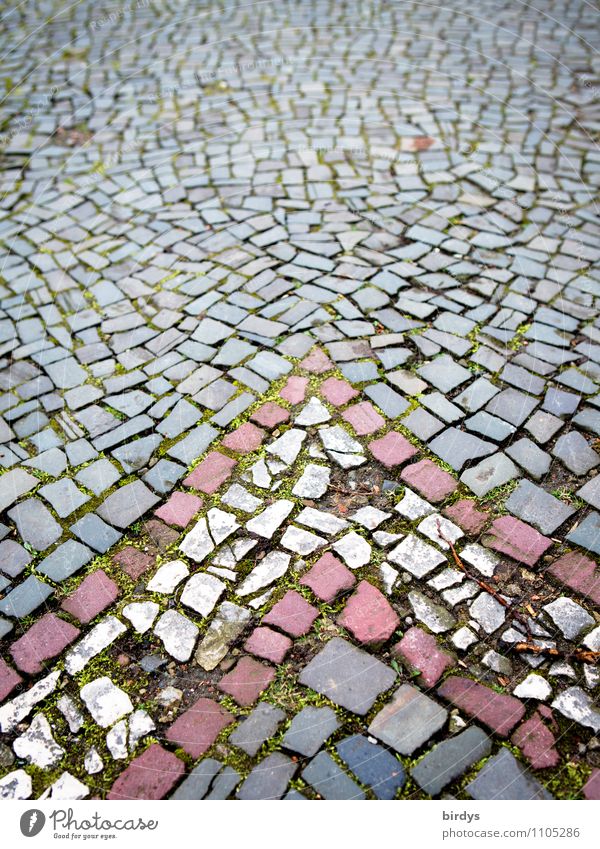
[368, 615]
[392, 449]
[211, 472]
[93, 595]
[293, 614]
[294, 391]
[328, 577]
[247, 681]
[180, 509]
[429, 480]
[337, 392]
[245, 439]
[364, 418]
[198, 728]
[271, 415]
[133, 561]
[268, 644]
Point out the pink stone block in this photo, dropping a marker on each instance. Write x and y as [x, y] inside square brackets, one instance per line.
[465, 514]
[45, 639]
[247, 681]
[392, 449]
[499, 712]
[337, 392]
[317, 362]
[133, 561]
[293, 614]
[328, 577]
[368, 615]
[429, 480]
[179, 509]
[150, 776]
[211, 472]
[9, 679]
[268, 644]
[419, 650]
[198, 728]
[294, 390]
[364, 418]
[579, 573]
[270, 415]
[244, 439]
[516, 539]
[93, 595]
[536, 741]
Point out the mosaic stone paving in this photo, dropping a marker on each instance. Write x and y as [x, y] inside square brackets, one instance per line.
[300, 392]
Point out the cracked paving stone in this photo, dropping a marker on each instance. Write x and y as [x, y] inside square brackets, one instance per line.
[576, 704]
[202, 592]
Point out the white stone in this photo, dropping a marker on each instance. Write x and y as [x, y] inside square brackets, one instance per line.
[71, 713]
[230, 555]
[354, 550]
[339, 440]
[447, 578]
[301, 541]
[259, 475]
[313, 482]
[480, 558]
[13, 712]
[116, 741]
[562, 669]
[429, 528]
[92, 762]
[198, 543]
[576, 704]
[141, 614]
[37, 745]
[347, 461]
[221, 524]
[533, 687]
[370, 517]
[321, 521]
[168, 577]
[239, 498]
[271, 567]
[66, 787]
[287, 447]
[488, 612]
[416, 556]
[258, 602]
[95, 641]
[571, 618]
[202, 592]
[267, 522]
[177, 633]
[15, 785]
[435, 616]
[413, 506]
[384, 540]
[389, 576]
[592, 640]
[313, 413]
[105, 701]
[140, 724]
[464, 638]
[457, 594]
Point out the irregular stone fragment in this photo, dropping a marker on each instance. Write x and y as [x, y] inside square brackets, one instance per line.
[202, 592]
[354, 550]
[226, 626]
[177, 633]
[437, 618]
[105, 701]
[272, 566]
[95, 641]
[37, 745]
[16, 710]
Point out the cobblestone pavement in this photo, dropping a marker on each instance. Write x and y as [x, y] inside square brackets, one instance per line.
[300, 366]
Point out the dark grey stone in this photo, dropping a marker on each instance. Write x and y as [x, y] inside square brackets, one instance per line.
[450, 759]
[65, 560]
[537, 507]
[261, 724]
[269, 779]
[348, 676]
[329, 780]
[309, 730]
[503, 777]
[25, 598]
